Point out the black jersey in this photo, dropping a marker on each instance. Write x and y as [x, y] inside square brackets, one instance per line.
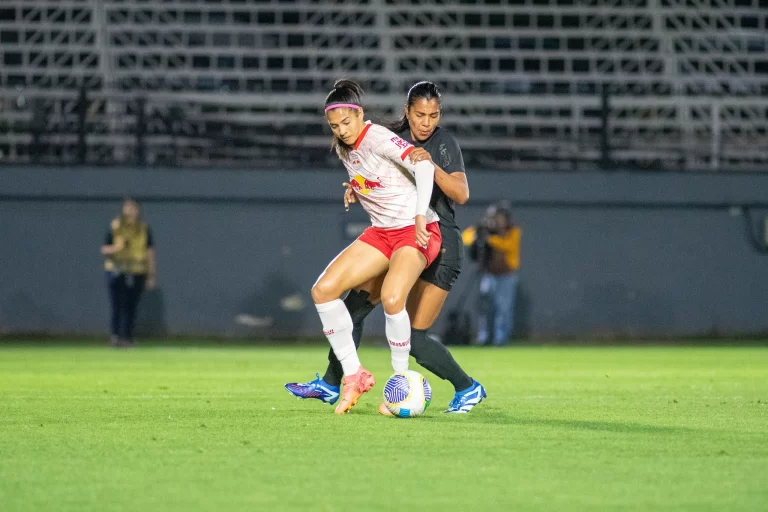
[445, 152]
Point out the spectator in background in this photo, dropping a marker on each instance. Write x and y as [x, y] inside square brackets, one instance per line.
[130, 266]
[495, 245]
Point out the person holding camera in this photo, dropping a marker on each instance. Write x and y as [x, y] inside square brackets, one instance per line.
[130, 267]
[495, 245]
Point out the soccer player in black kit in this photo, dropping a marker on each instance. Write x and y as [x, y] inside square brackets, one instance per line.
[419, 125]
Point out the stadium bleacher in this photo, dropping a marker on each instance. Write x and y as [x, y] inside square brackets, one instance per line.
[240, 82]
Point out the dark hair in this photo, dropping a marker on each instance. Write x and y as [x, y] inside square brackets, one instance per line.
[345, 91]
[419, 91]
[504, 208]
[349, 92]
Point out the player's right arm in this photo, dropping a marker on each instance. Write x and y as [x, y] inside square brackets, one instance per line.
[112, 244]
[349, 195]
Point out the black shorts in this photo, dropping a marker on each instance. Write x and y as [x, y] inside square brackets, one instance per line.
[446, 268]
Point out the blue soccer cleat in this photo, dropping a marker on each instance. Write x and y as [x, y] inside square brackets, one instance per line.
[317, 388]
[464, 401]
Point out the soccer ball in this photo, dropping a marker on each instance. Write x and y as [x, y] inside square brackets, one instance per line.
[407, 394]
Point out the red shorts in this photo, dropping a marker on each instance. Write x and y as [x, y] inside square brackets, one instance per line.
[389, 240]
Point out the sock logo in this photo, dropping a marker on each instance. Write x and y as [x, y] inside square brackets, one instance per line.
[328, 332]
[402, 344]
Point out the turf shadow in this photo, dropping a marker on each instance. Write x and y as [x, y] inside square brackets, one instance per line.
[502, 418]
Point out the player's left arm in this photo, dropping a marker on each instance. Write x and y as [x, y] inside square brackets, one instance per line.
[450, 175]
[397, 150]
[151, 261]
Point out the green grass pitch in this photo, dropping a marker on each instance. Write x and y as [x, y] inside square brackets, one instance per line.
[211, 428]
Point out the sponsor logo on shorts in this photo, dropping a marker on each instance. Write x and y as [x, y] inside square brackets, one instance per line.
[328, 332]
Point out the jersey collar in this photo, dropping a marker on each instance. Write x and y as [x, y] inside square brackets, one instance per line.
[362, 134]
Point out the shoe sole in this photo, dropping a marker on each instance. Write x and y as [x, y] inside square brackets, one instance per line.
[297, 397]
[346, 410]
[482, 397]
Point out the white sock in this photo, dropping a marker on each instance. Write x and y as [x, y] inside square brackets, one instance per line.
[337, 327]
[398, 329]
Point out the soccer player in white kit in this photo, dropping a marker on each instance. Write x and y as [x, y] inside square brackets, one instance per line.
[403, 240]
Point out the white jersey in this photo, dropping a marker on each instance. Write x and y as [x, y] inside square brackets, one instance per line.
[382, 176]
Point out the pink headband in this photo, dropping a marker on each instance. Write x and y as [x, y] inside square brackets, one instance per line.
[341, 105]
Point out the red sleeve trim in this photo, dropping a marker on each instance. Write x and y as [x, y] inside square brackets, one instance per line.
[362, 134]
[406, 152]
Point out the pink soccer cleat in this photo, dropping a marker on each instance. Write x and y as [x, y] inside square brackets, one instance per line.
[354, 387]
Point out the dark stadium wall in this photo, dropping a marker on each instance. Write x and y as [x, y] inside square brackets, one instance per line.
[604, 254]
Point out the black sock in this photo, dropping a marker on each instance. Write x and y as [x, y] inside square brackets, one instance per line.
[432, 355]
[358, 307]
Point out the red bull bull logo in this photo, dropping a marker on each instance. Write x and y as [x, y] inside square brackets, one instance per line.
[364, 185]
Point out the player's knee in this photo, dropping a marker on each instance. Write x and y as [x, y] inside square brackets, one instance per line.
[392, 302]
[324, 291]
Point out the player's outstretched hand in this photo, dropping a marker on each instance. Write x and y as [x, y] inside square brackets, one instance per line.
[419, 154]
[422, 235]
[349, 195]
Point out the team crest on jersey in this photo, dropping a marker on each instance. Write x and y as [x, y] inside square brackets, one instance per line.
[355, 163]
[364, 185]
